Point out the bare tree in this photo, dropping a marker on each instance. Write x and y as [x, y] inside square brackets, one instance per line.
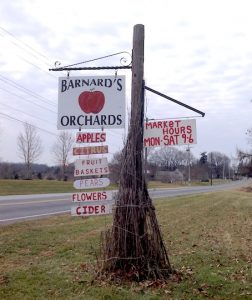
[115, 166]
[168, 158]
[61, 150]
[220, 163]
[29, 147]
[249, 134]
[245, 157]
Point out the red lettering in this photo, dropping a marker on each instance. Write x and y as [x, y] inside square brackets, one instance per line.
[182, 129]
[97, 137]
[177, 122]
[94, 137]
[90, 209]
[189, 129]
[103, 137]
[88, 196]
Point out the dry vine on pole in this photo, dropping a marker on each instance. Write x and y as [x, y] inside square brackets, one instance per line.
[133, 248]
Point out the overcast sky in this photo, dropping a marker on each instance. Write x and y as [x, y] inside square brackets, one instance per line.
[198, 52]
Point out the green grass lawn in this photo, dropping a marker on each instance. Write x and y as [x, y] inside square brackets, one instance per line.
[24, 187]
[208, 237]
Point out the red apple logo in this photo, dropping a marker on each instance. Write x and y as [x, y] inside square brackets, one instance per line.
[91, 102]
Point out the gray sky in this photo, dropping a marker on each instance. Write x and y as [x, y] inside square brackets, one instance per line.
[199, 52]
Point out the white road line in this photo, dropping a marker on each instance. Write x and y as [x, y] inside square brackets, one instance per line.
[34, 216]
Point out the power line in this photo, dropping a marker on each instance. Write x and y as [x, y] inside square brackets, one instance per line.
[32, 102]
[28, 49]
[36, 117]
[22, 88]
[29, 62]
[36, 66]
[16, 119]
[25, 44]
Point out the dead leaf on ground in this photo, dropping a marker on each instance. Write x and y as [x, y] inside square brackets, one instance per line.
[4, 279]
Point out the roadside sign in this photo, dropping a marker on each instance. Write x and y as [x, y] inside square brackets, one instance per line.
[90, 150]
[91, 166]
[170, 133]
[91, 102]
[93, 196]
[91, 183]
[91, 210]
[90, 137]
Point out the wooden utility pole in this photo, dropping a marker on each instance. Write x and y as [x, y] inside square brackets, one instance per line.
[134, 247]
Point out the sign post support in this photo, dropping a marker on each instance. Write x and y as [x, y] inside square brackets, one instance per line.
[135, 220]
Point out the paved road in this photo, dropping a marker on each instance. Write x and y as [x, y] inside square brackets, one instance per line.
[26, 207]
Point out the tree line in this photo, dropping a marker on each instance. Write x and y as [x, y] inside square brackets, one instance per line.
[29, 149]
[167, 164]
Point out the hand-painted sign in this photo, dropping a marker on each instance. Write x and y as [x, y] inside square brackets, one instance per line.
[91, 183]
[170, 133]
[93, 196]
[91, 210]
[91, 166]
[91, 102]
[90, 137]
[90, 150]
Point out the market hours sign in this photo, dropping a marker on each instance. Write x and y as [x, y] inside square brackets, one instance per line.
[170, 133]
[91, 102]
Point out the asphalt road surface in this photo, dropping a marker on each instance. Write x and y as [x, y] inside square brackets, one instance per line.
[29, 207]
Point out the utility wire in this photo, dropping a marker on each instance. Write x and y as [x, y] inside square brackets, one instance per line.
[18, 120]
[28, 49]
[29, 62]
[36, 117]
[36, 66]
[32, 102]
[26, 45]
[22, 88]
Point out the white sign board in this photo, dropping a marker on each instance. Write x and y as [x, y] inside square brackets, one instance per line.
[91, 210]
[91, 102]
[91, 166]
[90, 137]
[93, 196]
[170, 133]
[92, 183]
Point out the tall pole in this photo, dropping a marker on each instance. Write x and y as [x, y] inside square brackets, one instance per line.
[211, 166]
[145, 157]
[137, 96]
[189, 164]
[135, 244]
[134, 147]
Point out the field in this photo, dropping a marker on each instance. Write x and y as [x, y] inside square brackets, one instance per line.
[25, 187]
[209, 239]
